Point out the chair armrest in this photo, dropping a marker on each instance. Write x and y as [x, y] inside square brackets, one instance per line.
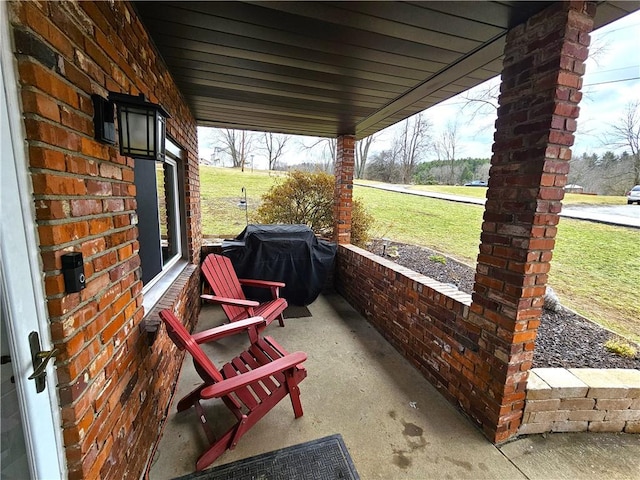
[260, 283]
[229, 329]
[230, 385]
[230, 301]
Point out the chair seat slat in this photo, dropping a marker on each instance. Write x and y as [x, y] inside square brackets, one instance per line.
[240, 365]
[251, 361]
[262, 357]
[244, 394]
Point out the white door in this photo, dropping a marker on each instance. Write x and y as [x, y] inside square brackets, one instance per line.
[31, 433]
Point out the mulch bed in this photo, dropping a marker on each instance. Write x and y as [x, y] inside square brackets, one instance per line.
[565, 339]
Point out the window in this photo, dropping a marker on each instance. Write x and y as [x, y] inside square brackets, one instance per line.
[161, 231]
[169, 210]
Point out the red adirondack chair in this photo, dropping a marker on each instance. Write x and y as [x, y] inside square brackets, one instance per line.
[221, 277]
[249, 385]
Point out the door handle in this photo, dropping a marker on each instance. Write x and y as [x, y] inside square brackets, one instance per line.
[44, 358]
[40, 360]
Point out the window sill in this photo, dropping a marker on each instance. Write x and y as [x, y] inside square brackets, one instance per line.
[167, 292]
[155, 292]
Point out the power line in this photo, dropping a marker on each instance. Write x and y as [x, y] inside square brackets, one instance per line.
[598, 72]
[585, 85]
[612, 81]
[615, 29]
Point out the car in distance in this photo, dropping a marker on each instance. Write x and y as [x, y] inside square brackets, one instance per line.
[633, 195]
[476, 183]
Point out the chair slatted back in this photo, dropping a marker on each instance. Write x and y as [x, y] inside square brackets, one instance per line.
[183, 340]
[222, 278]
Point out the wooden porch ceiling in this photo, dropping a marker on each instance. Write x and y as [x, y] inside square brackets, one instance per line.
[331, 68]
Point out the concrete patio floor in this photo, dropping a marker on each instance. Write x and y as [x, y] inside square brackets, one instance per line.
[394, 423]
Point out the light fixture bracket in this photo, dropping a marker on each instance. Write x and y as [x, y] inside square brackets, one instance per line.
[103, 120]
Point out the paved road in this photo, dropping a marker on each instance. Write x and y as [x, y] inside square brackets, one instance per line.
[622, 215]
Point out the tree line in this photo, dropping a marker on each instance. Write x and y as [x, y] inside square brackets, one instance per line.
[416, 154]
[607, 174]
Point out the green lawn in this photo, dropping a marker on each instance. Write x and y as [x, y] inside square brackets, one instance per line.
[591, 268]
[481, 192]
[594, 269]
[220, 192]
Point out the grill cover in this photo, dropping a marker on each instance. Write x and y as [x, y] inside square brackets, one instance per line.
[287, 253]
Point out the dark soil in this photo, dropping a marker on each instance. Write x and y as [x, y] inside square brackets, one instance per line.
[565, 339]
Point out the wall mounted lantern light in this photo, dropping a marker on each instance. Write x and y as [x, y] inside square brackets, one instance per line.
[141, 125]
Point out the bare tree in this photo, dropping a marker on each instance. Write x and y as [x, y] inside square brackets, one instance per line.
[606, 174]
[238, 144]
[446, 146]
[482, 102]
[328, 151]
[410, 142]
[599, 47]
[362, 152]
[384, 167]
[625, 134]
[274, 145]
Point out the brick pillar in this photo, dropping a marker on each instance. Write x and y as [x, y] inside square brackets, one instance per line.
[541, 81]
[342, 206]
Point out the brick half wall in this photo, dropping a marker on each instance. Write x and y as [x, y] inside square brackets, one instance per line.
[425, 320]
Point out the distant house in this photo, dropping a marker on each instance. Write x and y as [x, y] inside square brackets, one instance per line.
[573, 188]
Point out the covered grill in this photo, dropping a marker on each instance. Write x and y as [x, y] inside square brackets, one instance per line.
[288, 253]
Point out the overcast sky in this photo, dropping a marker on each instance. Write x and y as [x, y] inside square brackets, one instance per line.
[612, 79]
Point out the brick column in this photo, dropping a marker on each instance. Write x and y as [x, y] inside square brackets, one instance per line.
[541, 81]
[342, 205]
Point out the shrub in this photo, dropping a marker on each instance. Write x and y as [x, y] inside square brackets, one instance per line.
[361, 222]
[307, 198]
[438, 259]
[621, 347]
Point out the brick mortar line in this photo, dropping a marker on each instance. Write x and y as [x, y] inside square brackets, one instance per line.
[68, 220]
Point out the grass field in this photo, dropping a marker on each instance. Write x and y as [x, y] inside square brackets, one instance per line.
[220, 191]
[481, 192]
[594, 269]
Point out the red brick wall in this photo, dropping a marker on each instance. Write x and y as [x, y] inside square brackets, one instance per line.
[114, 389]
[478, 354]
[423, 319]
[538, 107]
[344, 168]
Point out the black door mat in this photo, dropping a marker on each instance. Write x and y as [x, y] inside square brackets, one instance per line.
[323, 459]
[295, 311]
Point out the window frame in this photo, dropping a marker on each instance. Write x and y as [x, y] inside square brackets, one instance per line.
[156, 287]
